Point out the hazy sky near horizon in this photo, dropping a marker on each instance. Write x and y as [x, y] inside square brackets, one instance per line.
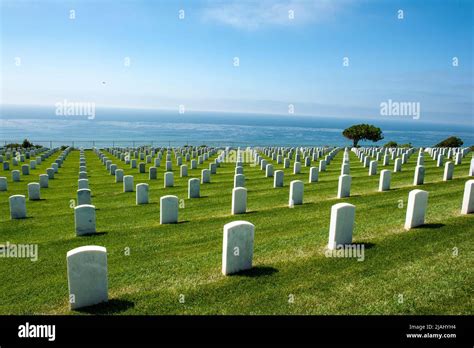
[47, 57]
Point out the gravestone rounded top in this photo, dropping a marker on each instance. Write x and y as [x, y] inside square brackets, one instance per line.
[342, 205]
[169, 197]
[417, 191]
[84, 206]
[86, 248]
[237, 223]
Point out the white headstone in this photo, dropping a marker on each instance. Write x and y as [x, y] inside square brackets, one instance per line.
[366, 161]
[239, 200]
[50, 173]
[15, 175]
[112, 169]
[128, 183]
[237, 247]
[169, 179]
[420, 161]
[82, 184]
[87, 276]
[84, 217]
[373, 168]
[440, 160]
[384, 182]
[44, 180]
[416, 208]
[168, 210]
[278, 178]
[296, 193]
[345, 169]
[344, 188]
[398, 165]
[194, 188]
[212, 168]
[3, 184]
[468, 198]
[297, 168]
[448, 171]
[25, 169]
[83, 196]
[419, 178]
[322, 165]
[342, 225]
[183, 170]
[17, 207]
[142, 194]
[313, 174]
[118, 175]
[34, 191]
[269, 171]
[458, 157]
[239, 180]
[205, 176]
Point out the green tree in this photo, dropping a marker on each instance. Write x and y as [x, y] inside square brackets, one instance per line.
[450, 142]
[360, 132]
[26, 144]
[391, 144]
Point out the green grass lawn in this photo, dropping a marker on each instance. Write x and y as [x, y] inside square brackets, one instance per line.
[167, 261]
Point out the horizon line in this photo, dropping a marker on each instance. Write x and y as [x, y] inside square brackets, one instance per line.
[305, 115]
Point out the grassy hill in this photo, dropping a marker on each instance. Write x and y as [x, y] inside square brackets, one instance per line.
[168, 261]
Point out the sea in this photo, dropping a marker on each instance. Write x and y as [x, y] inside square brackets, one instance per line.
[139, 127]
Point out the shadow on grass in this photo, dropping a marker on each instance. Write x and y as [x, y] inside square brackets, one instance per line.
[430, 226]
[110, 307]
[257, 271]
[88, 235]
[366, 245]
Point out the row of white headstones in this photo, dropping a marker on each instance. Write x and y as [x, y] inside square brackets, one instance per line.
[19, 155]
[238, 240]
[168, 204]
[87, 266]
[18, 202]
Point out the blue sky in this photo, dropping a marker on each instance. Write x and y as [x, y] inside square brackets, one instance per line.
[283, 61]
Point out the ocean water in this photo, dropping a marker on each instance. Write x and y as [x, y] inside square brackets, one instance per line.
[128, 127]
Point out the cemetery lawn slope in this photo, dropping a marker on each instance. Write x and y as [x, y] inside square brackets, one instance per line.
[176, 268]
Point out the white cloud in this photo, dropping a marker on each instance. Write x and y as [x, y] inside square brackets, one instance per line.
[253, 15]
